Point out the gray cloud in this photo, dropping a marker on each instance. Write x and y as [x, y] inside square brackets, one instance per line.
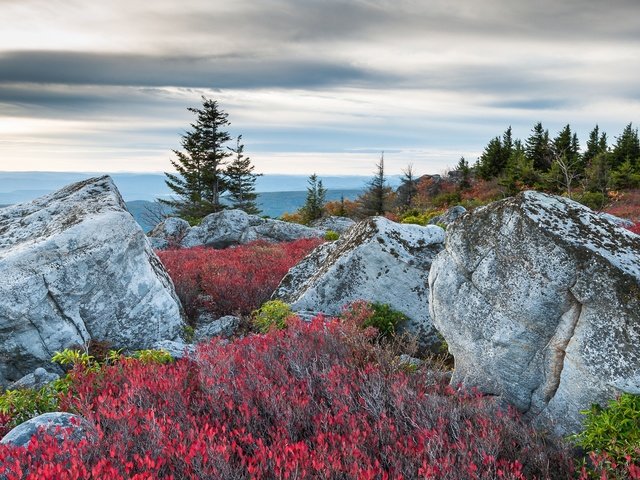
[88, 68]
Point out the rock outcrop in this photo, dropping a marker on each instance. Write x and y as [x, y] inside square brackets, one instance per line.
[538, 299]
[227, 228]
[76, 266]
[36, 380]
[376, 260]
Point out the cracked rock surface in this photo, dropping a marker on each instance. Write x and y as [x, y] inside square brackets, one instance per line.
[75, 266]
[538, 299]
[375, 260]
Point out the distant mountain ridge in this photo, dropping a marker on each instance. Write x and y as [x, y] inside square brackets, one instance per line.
[24, 186]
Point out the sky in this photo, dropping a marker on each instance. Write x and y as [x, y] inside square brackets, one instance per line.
[312, 85]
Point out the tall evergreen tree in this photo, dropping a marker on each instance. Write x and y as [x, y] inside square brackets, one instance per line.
[627, 148]
[538, 149]
[241, 181]
[490, 162]
[596, 144]
[316, 197]
[200, 181]
[374, 200]
[464, 174]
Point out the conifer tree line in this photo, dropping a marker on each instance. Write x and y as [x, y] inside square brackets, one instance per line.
[211, 175]
[558, 165]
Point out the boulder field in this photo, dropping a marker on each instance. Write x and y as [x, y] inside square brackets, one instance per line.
[538, 299]
[227, 228]
[75, 266]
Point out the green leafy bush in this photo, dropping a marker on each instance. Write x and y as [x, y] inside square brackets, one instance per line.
[331, 236]
[614, 430]
[25, 403]
[377, 315]
[272, 314]
[593, 200]
[417, 217]
[153, 356]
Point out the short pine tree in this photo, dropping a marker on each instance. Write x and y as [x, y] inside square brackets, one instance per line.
[316, 196]
[241, 181]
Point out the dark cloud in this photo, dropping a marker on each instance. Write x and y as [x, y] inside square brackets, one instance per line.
[86, 68]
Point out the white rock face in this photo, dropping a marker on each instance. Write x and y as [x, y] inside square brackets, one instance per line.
[75, 266]
[450, 216]
[538, 298]
[229, 227]
[376, 260]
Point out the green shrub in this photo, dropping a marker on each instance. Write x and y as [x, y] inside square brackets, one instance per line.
[25, 403]
[447, 199]
[153, 356]
[593, 200]
[272, 314]
[331, 236]
[420, 218]
[613, 430]
[378, 315]
[385, 319]
[69, 357]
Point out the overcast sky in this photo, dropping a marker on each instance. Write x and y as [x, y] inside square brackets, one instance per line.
[313, 86]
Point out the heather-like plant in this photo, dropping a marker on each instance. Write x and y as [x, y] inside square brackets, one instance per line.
[273, 314]
[233, 281]
[294, 403]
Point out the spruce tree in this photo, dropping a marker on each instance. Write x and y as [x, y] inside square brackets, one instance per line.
[538, 149]
[241, 181]
[596, 144]
[316, 196]
[626, 149]
[199, 182]
[375, 198]
[464, 174]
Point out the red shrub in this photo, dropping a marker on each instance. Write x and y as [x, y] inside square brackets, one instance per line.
[235, 280]
[635, 228]
[289, 404]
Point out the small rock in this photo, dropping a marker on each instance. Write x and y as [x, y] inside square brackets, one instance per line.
[65, 426]
[222, 327]
[449, 216]
[176, 349]
[36, 380]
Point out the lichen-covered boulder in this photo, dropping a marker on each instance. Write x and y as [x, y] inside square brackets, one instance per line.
[75, 266]
[376, 260]
[227, 228]
[538, 299]
[64, 426]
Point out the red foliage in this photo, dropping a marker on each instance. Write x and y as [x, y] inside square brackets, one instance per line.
[4, 424]
[235, 280]
[635, 228]
[299, 403]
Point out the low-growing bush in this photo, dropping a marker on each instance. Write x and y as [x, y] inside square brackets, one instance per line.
[272, 314]
[293, 403]
[331, 236]
[612, 434]
[593, 200]
[233, 281]
[377, 315]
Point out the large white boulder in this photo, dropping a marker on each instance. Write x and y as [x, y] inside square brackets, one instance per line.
[538, 298]
[226, 228]
[376, 260]
[76, 266]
